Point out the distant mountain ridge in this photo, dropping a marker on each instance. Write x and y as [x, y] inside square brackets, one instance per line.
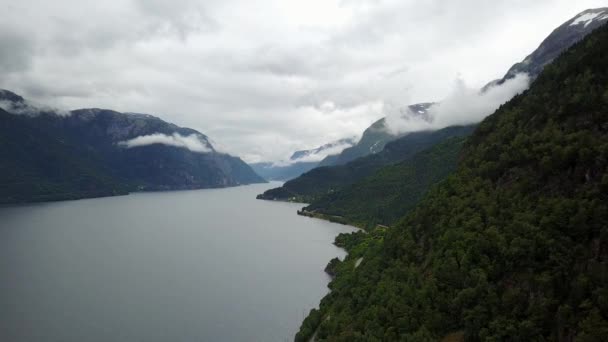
[272, 172]
[300, 161]
[127, 151]
[320, 181]
[327, 149]
[374, 138]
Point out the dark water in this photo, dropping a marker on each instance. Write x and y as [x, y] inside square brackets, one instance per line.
[208, 265]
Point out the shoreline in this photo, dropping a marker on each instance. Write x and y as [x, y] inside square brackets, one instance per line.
[334, 268]
[59, 198]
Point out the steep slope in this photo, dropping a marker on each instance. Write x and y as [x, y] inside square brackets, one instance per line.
[373, 140]
[182, 159]
[35, 165]
[377, 136]
[513, 246]
[387, 194]
[304, 188]
[559, 40]
[300, 161]
[95, 152]
[323, 180]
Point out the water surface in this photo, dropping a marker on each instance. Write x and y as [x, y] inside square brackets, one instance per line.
[206, 265]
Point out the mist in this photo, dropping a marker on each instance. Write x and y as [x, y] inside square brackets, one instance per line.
[190, 142]
[315, 156]
[30, 109]
[463, 106]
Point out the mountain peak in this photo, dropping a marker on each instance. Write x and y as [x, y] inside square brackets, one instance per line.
[331, 148]
[559, 40]
[587, 17]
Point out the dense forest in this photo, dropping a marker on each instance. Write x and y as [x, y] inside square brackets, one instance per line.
[47, 156]
[327, 179]
[513, 246]
[36, 165]
[386, 195]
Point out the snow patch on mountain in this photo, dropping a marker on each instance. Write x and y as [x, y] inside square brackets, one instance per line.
[588, 17]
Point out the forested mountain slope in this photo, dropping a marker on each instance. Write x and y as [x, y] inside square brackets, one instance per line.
[513, 246]
[323, 180]
[36, 165]
[48, 155]
[387, 194]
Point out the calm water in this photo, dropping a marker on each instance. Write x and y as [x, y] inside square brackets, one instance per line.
[207, 265]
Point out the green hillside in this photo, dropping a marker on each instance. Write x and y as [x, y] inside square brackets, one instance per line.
[45, 156]
[389, 193]
[324, 180]
[37, 165]
[513, 246]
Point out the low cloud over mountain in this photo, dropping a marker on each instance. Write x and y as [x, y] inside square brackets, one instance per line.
[190, 142]
[266, 77]
[463, 106]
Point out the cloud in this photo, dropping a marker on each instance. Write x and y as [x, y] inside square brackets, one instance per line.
[265, 78]
[30, 109]
[190, 142]
[15, 50]
[463, 106]
[318, 154]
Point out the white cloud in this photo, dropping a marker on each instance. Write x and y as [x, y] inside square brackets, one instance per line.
[191, 142]
[317, 155]
[463, 106]
[265, 77]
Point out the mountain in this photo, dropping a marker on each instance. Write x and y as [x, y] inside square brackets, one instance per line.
[511, 247]
[35, 165]
[48, 155]
[278, 172]
[376, 136]
[383, 197]
[300, 161]
[317, 182]
[322, 180]
[320, 152]
[559, 40]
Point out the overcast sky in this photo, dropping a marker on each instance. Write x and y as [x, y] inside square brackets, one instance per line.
[264, 78]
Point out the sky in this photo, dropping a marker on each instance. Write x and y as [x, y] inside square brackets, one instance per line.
[265, 78]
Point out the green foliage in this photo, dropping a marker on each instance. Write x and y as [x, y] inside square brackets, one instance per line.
[48, 157]
[35, 165]
[326, 180]
[389, 193]
[514, 245]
